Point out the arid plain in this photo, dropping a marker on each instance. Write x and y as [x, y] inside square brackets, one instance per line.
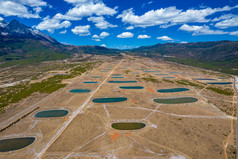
[204, 128]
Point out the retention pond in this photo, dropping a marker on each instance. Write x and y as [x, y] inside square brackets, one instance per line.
[172, 90]
[15, 143]
[122, 81]
[131, 87]
[79, 91]
[51, 113]
[128, 126]
[180, 100]
[109, 100]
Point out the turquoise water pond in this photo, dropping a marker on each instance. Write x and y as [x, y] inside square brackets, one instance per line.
[219, 83]
[79, 91]
[51, 113]
[131, 87]
[96, 76]
[90, 82]
[161, 74]
[109, 100]
[122, 81]
[116, 74]
[15, 143]
[205, 79]
[168, 77]
[172, 90]
[117, 77]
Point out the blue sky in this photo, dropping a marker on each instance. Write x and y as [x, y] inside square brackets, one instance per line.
[127, 24]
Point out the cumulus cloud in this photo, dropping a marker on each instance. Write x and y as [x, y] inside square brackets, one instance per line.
[103, 45]
[200, 30]
[170, 16]
[86, 10]
[143, 37]
[130, 28]
[125, 35]
[81, 30]
[227, 21]
[101, 23]
[234, 33]
[101, 36]
[104, 34]
[63, 32]
[164, 38]
[51, 24]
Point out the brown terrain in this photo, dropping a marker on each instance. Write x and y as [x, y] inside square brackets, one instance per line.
[201, 130]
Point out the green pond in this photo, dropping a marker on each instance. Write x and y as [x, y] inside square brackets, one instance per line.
[109, 100]
[108, 69]
[90, 82]
[219, 83]
[174, 72]
[51, 113]
[103, 71]
[122, 81]
[128, 126]
[15, 143]
[117, 77]
[79, 91]
[131, 87]
[179, 100]
[116, 74]
[223, 78]
[96, 76]
[172, 90]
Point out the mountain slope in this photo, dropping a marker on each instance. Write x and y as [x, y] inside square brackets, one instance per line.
[215, 55]
[20, 44]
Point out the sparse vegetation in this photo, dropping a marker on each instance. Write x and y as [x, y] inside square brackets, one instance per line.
[16, 93]
[187, 82]
[150, 79]
[227, 91]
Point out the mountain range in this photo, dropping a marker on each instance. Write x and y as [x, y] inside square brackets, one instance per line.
[216, 55]
[20, 44]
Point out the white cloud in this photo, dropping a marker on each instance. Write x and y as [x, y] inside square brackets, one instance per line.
[125, 35]
[1, 19]
[227, 21]
[95, 36]
[97, 39]
[63, 32]
[85, 10]
[32, 3]
[200, 30]
[101, 36]
[81, 30]
[143, 37]
[183, 42]
[130, 28]
[104, 34]
[166, 17]
[51, 24]
[234, 33]
[101, 23]
[164, 38]
[103, 45]
[12, 8]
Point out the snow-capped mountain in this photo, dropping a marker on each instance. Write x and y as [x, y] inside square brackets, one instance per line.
[16, 29]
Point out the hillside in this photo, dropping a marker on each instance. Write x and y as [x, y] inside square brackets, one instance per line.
[20, 44]
[216, 55]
